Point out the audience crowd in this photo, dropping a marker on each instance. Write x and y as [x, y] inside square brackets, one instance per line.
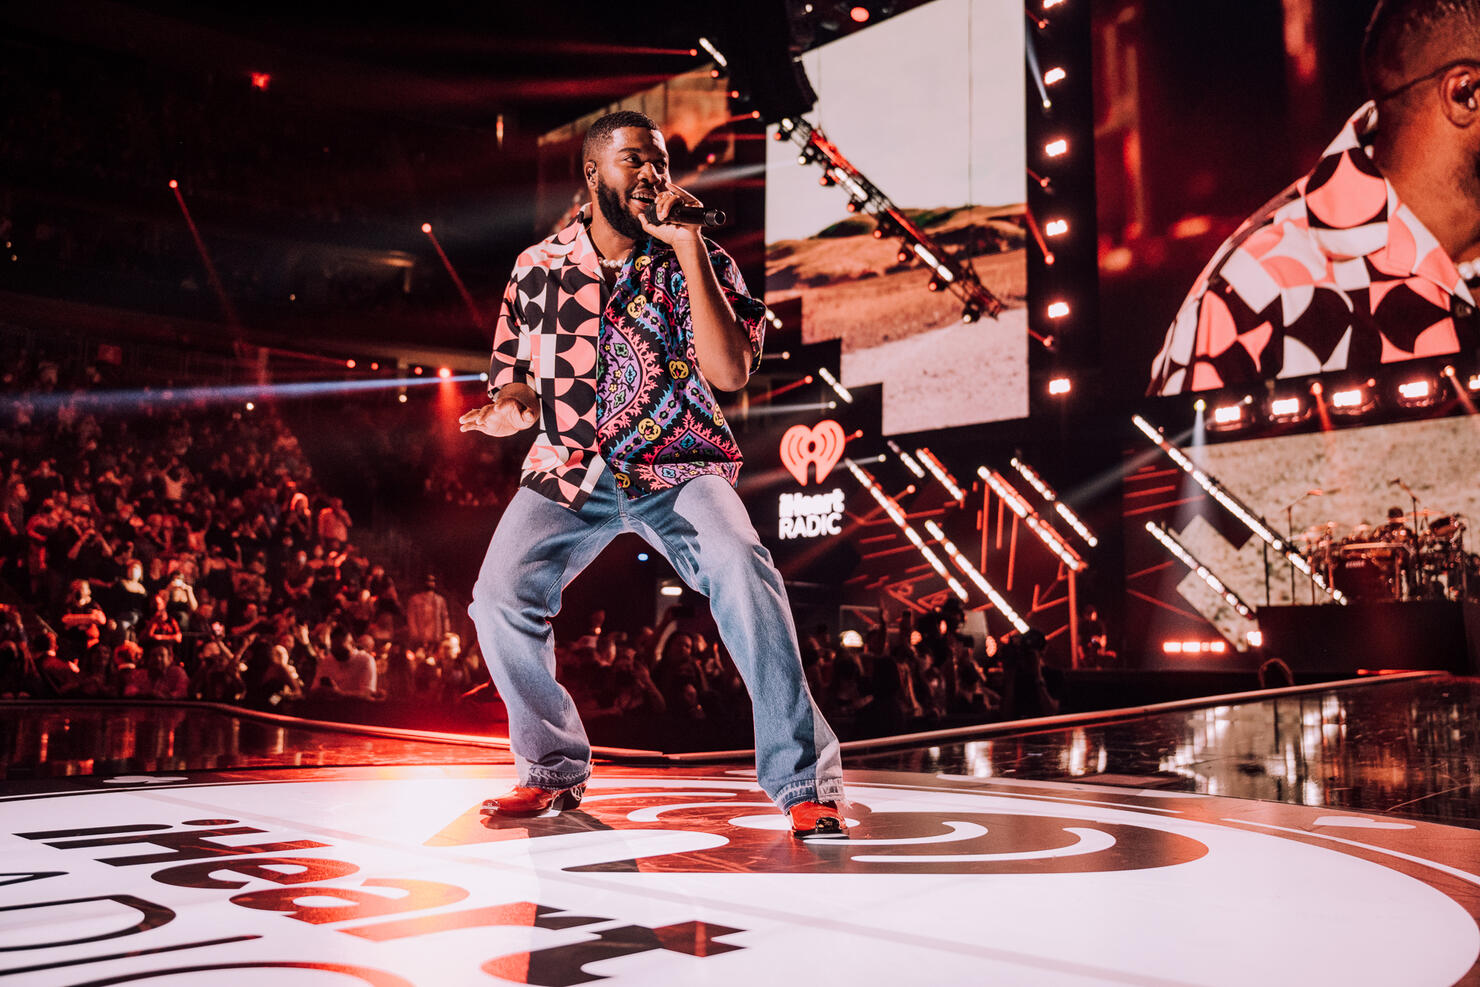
[165, 551]
[177, 552]
[674, 687]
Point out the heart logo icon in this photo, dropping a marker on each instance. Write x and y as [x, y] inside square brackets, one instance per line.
[821, 446]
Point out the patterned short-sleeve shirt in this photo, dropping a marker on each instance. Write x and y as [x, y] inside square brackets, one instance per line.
[616, 374]
[1335, 273]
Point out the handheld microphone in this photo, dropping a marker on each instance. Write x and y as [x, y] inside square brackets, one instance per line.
[689, 216]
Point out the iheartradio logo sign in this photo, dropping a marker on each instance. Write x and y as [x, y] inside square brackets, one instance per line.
[820, 446]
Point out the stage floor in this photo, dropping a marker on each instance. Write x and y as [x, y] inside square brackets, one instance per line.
[296, 855]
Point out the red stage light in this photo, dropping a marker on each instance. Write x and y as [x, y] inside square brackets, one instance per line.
[426, 227]
[374, 366]
[1059, 386]
[174, 184]
[349, 364]
[444, 372]
[261, 80]
[416, 371]
[859, 14]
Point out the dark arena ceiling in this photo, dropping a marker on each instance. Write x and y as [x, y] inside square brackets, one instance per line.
[363, 122]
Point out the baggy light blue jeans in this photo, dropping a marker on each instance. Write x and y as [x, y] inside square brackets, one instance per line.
[702, 529]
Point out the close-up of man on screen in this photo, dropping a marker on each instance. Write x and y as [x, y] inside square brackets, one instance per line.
[1369, 258]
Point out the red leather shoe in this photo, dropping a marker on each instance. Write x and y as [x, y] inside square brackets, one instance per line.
[818, 821]
[527, 800]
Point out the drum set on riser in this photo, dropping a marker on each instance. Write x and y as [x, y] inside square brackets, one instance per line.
[1416, 555]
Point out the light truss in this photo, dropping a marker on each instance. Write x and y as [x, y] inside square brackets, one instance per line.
[1062, 509]
[897, 516]
[1171, 544]
[974, 574]
[1238, 509]
[1052, 539]
[938, 470]
[957, 276]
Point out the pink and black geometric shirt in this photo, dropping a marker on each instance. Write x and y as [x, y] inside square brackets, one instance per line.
[618, 383]
[1334, 274]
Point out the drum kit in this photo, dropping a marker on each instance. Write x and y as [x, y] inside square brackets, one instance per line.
[1419, 555]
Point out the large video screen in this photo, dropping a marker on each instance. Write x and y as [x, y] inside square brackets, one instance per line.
[929, 106]
[1245, 230]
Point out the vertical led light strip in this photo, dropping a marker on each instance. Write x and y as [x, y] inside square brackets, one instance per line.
[976, 577]
[1047, 493]
[1236, 507]
[1214, 583]
[897, 516]
[939, 472]
[1039, 527]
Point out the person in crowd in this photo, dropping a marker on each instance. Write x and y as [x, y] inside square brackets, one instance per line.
[217, 677]
[1026, 692]
[130, 597]
[60, 677]
[19, 676]
[180, 600]
[82, 620]
[427, 620]
[333, 523]
[348, 669]
[161, 627]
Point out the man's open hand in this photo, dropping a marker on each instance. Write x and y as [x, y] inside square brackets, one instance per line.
[505, 416]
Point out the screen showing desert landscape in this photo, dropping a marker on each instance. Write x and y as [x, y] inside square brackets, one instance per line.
[929, 106]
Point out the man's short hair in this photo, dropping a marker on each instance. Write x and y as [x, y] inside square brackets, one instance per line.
[1408, 39]
[602, 130]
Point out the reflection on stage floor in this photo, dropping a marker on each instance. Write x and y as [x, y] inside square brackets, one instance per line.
[1409, 747]
[160, 845]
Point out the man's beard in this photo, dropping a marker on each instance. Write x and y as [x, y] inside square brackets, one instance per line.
[611, 207]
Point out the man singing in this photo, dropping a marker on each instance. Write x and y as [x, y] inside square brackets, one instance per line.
[1370, 259]
[611, 334]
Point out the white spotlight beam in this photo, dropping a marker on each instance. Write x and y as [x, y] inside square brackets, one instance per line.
[1171, 544]
[1239, 510]
[897, 516]
[976, 577]
[1047, 493]
[1045, 532]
